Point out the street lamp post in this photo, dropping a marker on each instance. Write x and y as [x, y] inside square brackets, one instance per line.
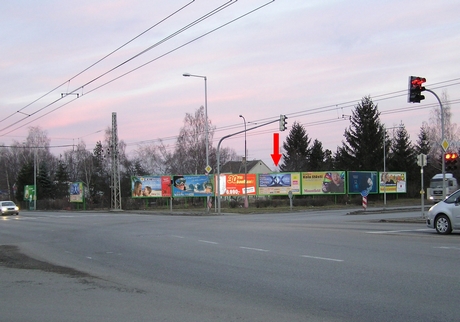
[206, 121]
[384, 161]
[246, 201]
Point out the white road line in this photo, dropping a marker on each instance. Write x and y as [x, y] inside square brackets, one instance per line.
[396, 231]
[176, 236]
[324, 258]
[256, 249]
[208, 242]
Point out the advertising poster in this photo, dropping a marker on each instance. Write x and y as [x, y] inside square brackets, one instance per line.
[29, 192]
[192, 186]
[279, 183]
[76, 192]
[324, 182]
[362, 182]
[392, 182]
[151, 186]
[235, 185]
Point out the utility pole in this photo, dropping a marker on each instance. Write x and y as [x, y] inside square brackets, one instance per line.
[115, 177]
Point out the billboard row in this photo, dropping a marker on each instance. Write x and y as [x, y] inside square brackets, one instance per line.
[299, 183]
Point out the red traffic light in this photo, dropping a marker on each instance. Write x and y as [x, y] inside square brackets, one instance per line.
[416, 89]
[417, 81]
[451, 156]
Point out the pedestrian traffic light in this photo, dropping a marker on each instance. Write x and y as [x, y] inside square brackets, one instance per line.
[451, 161]
[283, 122]
[416, 89]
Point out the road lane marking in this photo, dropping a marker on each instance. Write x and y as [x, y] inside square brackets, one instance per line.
[208, 242]
[176, 236]
[255, 249]
[396, 231]
[323, 258]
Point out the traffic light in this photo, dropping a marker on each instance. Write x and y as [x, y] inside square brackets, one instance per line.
[416, 89]
[283, 122]
[451, 161]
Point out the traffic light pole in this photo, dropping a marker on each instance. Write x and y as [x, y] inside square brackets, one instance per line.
[443, 162]
[217, 190]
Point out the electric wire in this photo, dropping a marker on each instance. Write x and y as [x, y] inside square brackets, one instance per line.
[97, 62]
[141, 66]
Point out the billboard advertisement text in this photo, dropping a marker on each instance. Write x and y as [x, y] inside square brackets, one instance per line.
[235, 185]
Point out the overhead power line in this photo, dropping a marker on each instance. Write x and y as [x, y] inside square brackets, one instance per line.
[207, 15]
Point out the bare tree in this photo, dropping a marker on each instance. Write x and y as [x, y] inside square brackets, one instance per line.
[433, 128]
[190, 150]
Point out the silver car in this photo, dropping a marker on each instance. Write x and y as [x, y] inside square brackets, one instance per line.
[445, 215]
[9, 208]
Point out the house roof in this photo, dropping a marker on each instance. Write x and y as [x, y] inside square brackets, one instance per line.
[238, 166]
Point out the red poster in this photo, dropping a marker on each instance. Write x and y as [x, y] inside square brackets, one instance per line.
[235, 184]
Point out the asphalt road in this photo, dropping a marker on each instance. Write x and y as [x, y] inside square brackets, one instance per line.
[312, 266]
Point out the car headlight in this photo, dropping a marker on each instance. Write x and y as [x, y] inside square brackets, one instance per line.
[4, 209]
[16, 208]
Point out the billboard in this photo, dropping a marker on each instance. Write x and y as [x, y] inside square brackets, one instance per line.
[192, 186]
[392, 182]
[318, 183]
[279, 183]
[29, 192]
[150, 186]
[76, 192]
[235, 185]
[362, 182]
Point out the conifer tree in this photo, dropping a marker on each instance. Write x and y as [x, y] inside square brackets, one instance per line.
[62, 180]
[317, 157]
[363, 146]
[297, 152]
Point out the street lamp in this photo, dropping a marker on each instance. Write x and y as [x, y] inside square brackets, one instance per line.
[206, 121]
[245, 167]
[384, 160]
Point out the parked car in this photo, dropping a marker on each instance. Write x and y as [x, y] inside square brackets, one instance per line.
[9, 208]
[445, 215]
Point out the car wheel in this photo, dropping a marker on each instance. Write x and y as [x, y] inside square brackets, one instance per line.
[443, 225]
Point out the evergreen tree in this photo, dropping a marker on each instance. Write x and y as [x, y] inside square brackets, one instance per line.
[62, 180]
[100, 179]
[45, 187]
[25, 177]
[297, 152]
[317, 156]
[363, 149]
[329, 160]
[424, 146]
[403, 158]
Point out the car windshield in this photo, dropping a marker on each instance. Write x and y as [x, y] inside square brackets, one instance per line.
[7, 203]
[453, 197]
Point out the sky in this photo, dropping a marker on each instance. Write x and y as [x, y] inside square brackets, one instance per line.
[312, 61]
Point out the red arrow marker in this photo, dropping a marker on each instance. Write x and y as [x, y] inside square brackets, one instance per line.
[276, 156]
